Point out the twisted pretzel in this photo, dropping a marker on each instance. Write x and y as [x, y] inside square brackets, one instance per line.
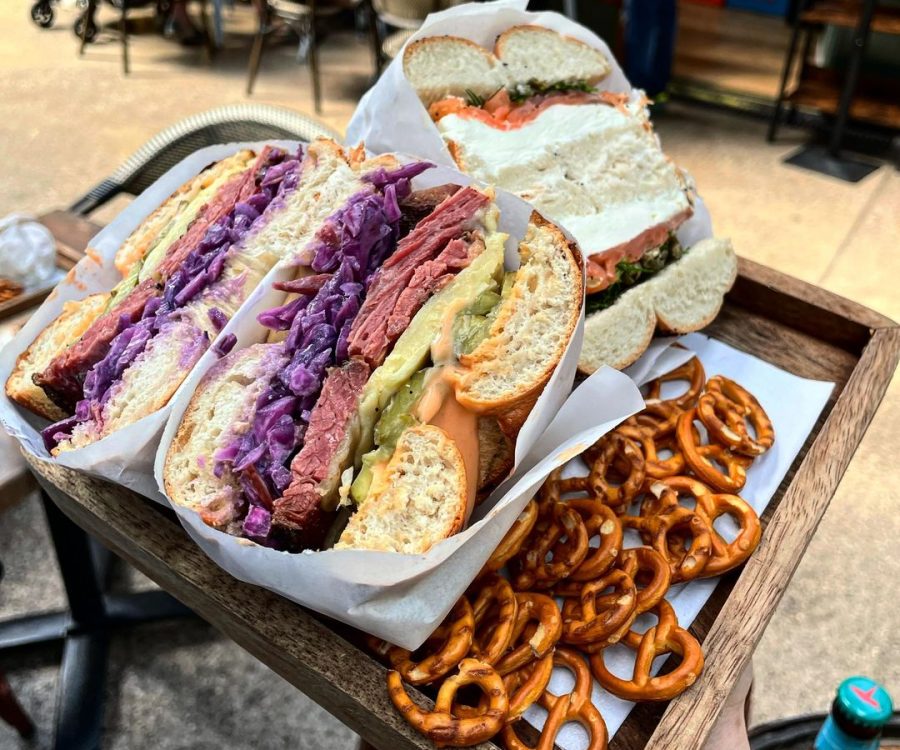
[511, 543]
[647, 565]
[656, 420]
[562, 536]
[659, 468]
[453, 639]
[700, 457]
[685, 565]
[599, 521]
[691, 371]
[541, 610]
[574, 706]
[726, 408]
[440, 725]
[728, 555]
[665, 493]
[615, 448]
[526, 684]
[598, 618]
[495, 594]
[664, 637]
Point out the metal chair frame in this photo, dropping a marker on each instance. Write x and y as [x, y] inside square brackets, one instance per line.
[237, 122]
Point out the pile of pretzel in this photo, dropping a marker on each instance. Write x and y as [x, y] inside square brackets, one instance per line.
[506, 635]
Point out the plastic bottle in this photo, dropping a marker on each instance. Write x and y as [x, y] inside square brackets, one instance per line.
[860, 710]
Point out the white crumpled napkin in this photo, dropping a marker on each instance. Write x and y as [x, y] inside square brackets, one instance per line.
[27, 252]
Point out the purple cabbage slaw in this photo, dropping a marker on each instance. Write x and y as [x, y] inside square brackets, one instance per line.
[202, 267]
[346, 253]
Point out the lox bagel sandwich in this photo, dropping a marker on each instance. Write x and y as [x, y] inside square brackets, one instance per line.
[399, 388]
[531, 117]
[188, 268]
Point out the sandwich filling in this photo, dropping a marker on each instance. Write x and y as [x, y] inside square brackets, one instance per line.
[168, 315]
[586, 158]
[63, 379]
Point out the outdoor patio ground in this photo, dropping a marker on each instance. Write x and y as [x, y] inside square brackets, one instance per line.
[66, 122]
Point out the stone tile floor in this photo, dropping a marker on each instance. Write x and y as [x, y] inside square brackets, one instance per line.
[66, 122]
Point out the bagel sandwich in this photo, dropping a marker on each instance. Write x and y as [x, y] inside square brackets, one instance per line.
[531, 117]
[397, 393]
[132, 358]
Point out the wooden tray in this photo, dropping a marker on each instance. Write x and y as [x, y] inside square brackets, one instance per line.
[793, 325]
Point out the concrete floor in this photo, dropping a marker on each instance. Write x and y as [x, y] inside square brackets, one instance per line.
[66, 122]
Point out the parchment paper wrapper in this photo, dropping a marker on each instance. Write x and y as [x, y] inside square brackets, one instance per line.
[390, 116]
[126, 457]
[403, 597]
[792, 403]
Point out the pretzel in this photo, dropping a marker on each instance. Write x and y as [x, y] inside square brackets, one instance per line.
[526, 684]
[636, 563]
[726, 408]
[693, 372]
[494, 590]
[659, 468]
[574, 706]
[599, 521]
[700, 457]
[511, 543]
[603, 455]
[597, 617]
[656, 420]
[440, 725]
[664, 637]
[684, 565]
[666, 492]
[560, 534]
[453, 639]
[728, 555]
[540, 639]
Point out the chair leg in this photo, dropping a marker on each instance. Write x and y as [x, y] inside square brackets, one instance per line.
[124, 24]
[374, 37]
[12, 712]
[208, 42]
[88, 21]
[258, 42]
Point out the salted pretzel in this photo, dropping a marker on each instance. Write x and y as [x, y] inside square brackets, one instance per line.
[574, 706]
[599, 521]
[491, 637]
[441, 725]
[560, 535]
[452, 639]
[663, 638]
[539, 621]
[526, 685]
[659, 468]
[614, 449]
[700, 458]
[692, 371]
[666, 492]
[725, 408]
[651, 575]
[677, 523]
[598, 617]
[656, 420]
[511, 543]
[728, 555]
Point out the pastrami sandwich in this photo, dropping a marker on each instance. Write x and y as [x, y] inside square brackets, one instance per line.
[189, 282]
[531, 117]
[400, 388]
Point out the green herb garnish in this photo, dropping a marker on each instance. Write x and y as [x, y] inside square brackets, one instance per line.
[473, 100]
[522, 91]
[630, 274]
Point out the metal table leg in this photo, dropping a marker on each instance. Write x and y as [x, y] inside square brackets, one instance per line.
[84, 628]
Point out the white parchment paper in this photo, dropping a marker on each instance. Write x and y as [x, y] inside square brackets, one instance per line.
[126, 457]
[793, 404]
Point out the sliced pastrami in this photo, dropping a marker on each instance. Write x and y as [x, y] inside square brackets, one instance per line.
[62, 379]
[436, 248]
[298, 520]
